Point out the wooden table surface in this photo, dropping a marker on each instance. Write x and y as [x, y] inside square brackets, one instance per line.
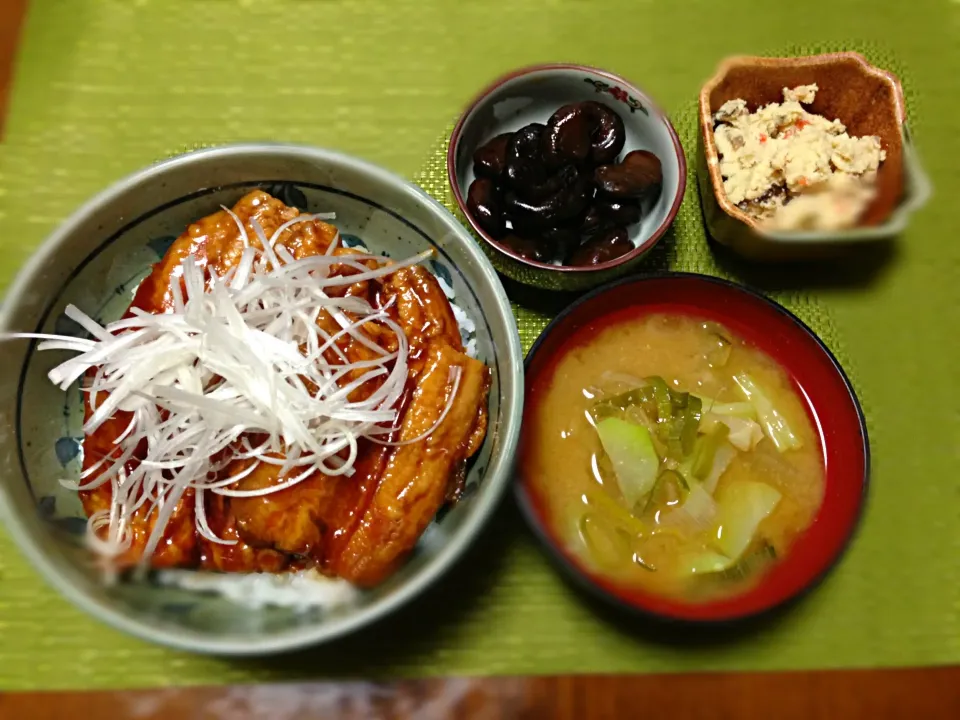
[848, 694]
[927, 693]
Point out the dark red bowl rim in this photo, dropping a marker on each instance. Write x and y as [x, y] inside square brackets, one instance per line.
[608, 591]
[527, 70]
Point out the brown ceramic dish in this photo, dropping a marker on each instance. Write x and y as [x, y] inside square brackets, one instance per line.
[868, 100]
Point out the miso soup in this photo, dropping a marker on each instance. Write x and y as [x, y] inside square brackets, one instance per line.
[674, 457]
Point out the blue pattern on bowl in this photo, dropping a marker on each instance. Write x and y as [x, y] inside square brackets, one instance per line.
[161, 244]
[350, 241]
[67, 449]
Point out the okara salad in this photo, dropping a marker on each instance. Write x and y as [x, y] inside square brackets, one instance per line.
[792, 169]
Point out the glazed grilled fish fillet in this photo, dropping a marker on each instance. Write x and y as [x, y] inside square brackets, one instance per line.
[358, 527]
[416, 479]
[361, 527]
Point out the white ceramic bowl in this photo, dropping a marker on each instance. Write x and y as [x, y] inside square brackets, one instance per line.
[533, 94]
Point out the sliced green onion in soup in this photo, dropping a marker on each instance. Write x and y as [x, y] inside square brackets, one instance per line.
[705, 450]
[692, 413]
[672, 416]
[606, 544]
[663, 397]
[678, 418]
[616, 405]
[668, 493]
[640, 562]
[617, 514]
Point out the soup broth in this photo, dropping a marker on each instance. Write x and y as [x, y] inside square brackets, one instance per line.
[737, 473]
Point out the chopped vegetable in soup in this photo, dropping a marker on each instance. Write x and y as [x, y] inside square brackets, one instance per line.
[674, 457]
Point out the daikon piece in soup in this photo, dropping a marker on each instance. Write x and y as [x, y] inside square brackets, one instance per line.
[674, 457]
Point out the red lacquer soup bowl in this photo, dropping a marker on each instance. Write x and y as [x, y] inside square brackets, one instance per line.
[820, 383]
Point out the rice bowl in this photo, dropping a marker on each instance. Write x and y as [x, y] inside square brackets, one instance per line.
[100, 254]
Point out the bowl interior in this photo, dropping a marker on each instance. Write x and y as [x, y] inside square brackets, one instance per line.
[862, 97]
[819, 380]
[534, 95]
[96, 262]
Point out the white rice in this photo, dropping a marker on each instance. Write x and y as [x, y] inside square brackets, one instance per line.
[299, 590]
[468, 328]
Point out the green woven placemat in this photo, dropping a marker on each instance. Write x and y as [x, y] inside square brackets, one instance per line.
[105, 87]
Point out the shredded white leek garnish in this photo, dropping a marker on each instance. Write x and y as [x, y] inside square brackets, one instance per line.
[236, 356]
